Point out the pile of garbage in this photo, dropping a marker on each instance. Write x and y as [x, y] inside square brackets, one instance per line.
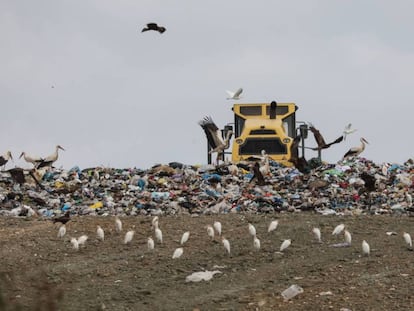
[353, 187]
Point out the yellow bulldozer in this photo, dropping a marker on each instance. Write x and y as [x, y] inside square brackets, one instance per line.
[271, 127]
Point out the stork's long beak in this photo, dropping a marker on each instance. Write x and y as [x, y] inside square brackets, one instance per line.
[60, 147]
[21, 155]
[365, 141]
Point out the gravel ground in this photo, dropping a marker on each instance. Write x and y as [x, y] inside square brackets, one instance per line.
[40, 271]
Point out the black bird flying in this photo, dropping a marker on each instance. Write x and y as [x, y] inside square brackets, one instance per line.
[155, 27]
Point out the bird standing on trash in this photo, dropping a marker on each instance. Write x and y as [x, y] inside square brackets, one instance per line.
[155, 27]
[49, 160]
[356, 151]
[31, 159]
[265, 164]
[5, 158]
[17, 174]
[257, 175]
[214, 138]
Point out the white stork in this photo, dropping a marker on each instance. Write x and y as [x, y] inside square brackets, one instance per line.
[355, 151]
[35, 160]
[214, 138]
[5, 158]
[49, 160]
[235, 95]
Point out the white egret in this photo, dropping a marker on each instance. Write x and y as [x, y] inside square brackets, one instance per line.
[317, 234]
[82, 239]
[338, 229]
[158, 235]
[100, 233]
[185, 237]
[128, 236]
[62, 231]
[407, 239]
[75, 243]
[226, 245]
[178, 252]
[285, 244]
[118, 224]
[217, 227]
[150, 244]
[256, 243]
[210, 232]
[365, 248]
[273, 225]
[348, 237]
[252, 230]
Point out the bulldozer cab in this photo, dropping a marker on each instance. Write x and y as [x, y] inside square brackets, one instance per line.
[263, 126]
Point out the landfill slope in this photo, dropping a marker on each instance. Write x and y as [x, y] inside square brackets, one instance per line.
[40, 271]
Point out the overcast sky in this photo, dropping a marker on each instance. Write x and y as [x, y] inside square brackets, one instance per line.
[81, 74]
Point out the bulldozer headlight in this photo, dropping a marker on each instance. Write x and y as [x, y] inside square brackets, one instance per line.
[239, 141]
[286, 140]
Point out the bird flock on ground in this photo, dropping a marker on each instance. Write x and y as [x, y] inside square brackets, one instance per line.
[214, 230]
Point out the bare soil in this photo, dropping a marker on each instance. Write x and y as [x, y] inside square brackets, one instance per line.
[39, 271]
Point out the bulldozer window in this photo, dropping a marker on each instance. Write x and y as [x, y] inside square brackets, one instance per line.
[251, 110]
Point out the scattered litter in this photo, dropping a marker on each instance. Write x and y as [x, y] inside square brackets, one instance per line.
[292, 291]
[344, 244]
[201, 276]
